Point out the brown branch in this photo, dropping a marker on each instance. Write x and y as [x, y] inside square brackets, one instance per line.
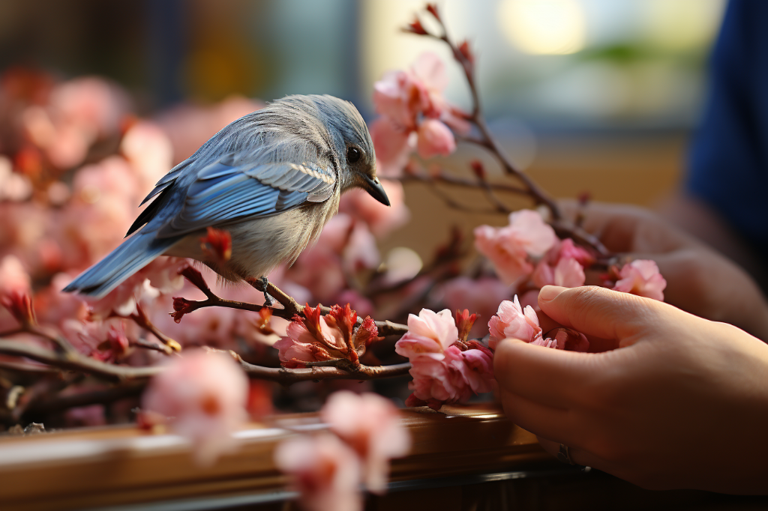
[317, 373]
[291, 306]
[116, 373]
[21, 367]
[169, 346]
[29, 328]
[486, 140]
[448, 179]
[489, 193]
[580, 236]
[75, 362]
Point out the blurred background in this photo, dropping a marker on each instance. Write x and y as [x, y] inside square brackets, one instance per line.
[591, 96]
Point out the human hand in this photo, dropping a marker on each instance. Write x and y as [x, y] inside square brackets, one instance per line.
[681, 402]
[699, 280]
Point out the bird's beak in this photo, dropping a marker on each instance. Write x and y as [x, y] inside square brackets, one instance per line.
[373, 186]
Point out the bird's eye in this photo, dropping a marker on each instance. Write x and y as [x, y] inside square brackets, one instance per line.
[354, 154]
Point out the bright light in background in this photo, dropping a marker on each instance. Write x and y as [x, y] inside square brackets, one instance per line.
[544, 27]
[681, 24]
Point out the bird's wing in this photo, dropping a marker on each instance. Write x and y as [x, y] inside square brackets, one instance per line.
[223, 192]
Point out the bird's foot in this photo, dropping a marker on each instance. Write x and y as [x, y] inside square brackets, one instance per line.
[262, 284]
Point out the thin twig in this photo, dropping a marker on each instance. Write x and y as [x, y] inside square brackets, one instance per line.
[169, 346]
[486, 140]
[291, 306]
[489, 193]
[117, 373]
[448, 179]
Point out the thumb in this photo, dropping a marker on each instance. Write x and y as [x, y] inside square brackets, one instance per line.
[599, 312]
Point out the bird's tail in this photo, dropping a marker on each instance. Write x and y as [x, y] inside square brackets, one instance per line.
[131, 256]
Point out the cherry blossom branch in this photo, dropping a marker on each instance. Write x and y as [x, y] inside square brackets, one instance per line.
[116, 373]
[291, 308]
[20, 367]
[341, 369]
[463, 56]
[59, 342]
[74, 361]
[451, 180]
[168, 346]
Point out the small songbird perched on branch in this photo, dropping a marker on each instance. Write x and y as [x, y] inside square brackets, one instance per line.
[272, 178]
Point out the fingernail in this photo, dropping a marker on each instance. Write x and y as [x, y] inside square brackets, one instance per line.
[549, 293]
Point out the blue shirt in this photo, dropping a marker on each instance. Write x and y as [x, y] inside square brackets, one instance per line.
[728, 166]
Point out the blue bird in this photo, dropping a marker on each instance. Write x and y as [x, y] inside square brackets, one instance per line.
[272, 178]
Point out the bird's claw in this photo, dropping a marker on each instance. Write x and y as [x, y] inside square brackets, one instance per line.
[262, 284]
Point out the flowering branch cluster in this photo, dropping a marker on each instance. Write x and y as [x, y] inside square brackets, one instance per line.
[446, 366]
[62, 214]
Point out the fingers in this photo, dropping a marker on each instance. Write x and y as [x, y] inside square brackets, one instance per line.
[598, 312]
[550, 377]
[533, 416]
[553, 423]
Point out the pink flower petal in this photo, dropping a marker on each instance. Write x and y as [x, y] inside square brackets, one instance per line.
[435, 139]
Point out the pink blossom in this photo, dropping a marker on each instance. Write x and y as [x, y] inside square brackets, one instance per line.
[478, 368]
[429, 332]
[567, 273]
[52, 307]
[310, 340]
[122, 300]
[315, 337]
[13, 277]
[79, 112]
[90, 103]
[102, 208]
[204, 394]
[371, 425]
[435, 138]
[438, 378]
[511, 320]
[443, 368]
[104, 341]
[451, 377]
[27, 230]
[642, 278]
[547, 343]
[569, 339]
[13, 185]
[345, 246]
[149, 152]
[567, 249]
[508, 247]
[412, 102]
[400, 97]
[392, 144]
[15, 292]
[324, 470]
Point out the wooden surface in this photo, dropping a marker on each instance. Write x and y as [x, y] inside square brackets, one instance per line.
[122, 465]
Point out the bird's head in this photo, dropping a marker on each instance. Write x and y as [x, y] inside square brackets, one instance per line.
[354, 147]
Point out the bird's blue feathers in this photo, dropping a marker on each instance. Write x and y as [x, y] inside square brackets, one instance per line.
[131, 256]
[289, 154]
